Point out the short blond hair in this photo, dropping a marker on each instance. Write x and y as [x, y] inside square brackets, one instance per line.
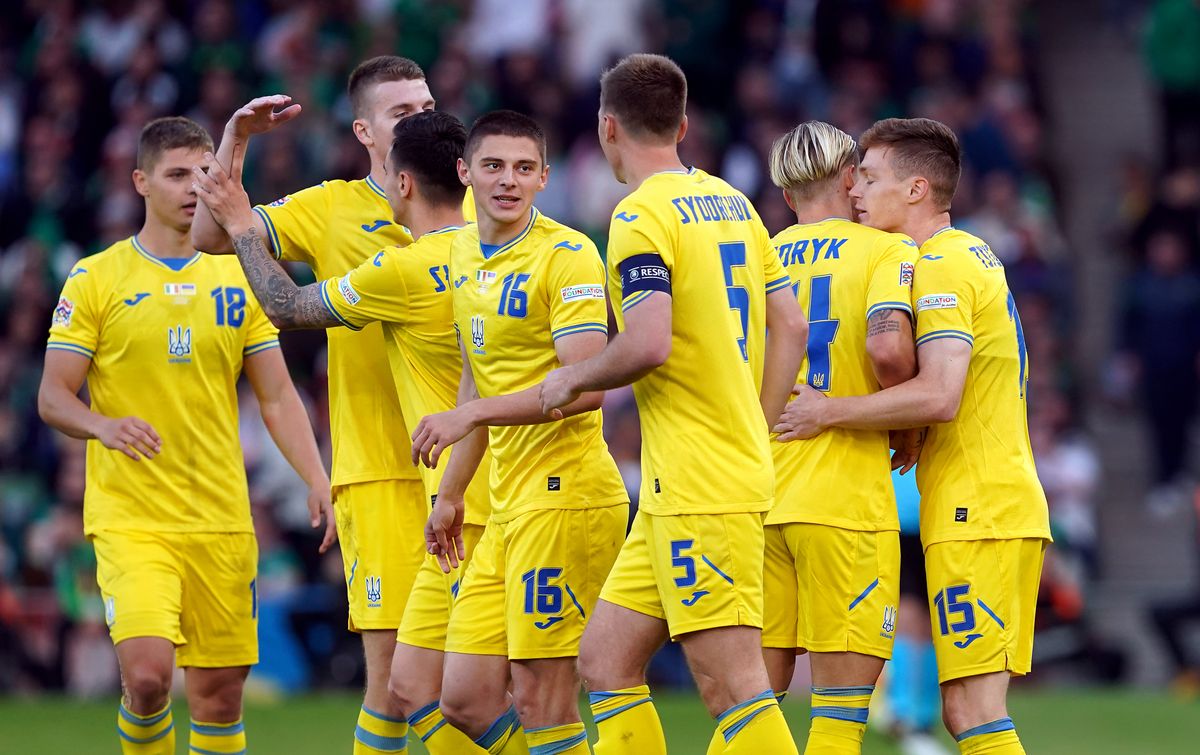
[806, 158]
[920, 147]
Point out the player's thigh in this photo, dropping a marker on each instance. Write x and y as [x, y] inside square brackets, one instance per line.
[709, 570]
[141, 581]
[983, 597]
[427, 614]
[727, 664]
[617, 645]
[630, 583]
[545, 691]
[382, 522]
[849, 588]
[556, 562]
[477, 615]
[780, 591]
[220, 600]
[474, 690]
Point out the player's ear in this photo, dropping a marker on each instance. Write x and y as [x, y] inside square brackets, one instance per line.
[362, 132]
[544, 178]
[683, 126]
[850, 177]
[464, 175]
[608, 128]
[141, 182]
[787, 197]
[918, 189]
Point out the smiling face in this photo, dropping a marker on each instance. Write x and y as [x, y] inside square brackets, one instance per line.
[881, 198]
[167, 186]
[507, 173]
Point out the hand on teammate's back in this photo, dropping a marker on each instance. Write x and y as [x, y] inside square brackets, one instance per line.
[131, 436]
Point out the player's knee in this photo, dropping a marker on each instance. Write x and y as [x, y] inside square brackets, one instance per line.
[148, 685]
[401, 694]
[219, 699]
[461, 712]
[600, 671]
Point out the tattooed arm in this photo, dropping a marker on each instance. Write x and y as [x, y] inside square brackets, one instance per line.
[890, 346]
[288, 305]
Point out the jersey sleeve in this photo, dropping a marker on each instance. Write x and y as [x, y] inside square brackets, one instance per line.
[640, 253]
[575, 279]
[944, 300]
[261, 335]
[75, 325]
[893, 266]
[297, 223]
[375, 291]
[774, 275]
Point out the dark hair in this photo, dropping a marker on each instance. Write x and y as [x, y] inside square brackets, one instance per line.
[376, 71]
[920, 147]
[647, 94]
[162, 134]
[505, 123]
[428, 145]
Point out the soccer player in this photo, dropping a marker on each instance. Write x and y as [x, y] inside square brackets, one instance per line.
[160, 334]
[984, 522]
[528, 298]
[407, 289]
[832, 557]
[692, 267]
[378, 496]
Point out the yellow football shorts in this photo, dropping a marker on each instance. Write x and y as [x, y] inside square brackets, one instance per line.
[830, 589]
[196, 590]
[428, 611]
[695, 571]
[982, 600]
[533, 581]
[381, 526]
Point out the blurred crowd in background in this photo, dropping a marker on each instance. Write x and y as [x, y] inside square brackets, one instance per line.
[79, 79]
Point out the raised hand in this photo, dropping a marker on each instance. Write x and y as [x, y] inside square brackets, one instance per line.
[259, 115]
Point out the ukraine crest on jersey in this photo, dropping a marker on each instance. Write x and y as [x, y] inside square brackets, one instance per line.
[166, 343]
[333, 227]
[977, 477]
[697, 238]
[512, 302]
[407, 289]
[842, 273]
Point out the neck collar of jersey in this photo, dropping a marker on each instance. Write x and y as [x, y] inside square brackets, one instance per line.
[491, 250]
[375, 187]
[942, 230]
[690, 170]
[445, 229]
[832, 217]
[171, 263]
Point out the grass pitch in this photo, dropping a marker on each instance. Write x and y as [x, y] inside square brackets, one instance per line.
[1050, 723]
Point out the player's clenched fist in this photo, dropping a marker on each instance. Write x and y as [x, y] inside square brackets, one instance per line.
[259, 115]
[438, 431]
[129, 435]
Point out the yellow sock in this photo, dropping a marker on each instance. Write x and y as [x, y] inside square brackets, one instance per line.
[146, 735]
[439, 737]
[210, 739]
[839, 720]
[716, 745]
[504, 736]
[996, 738]
[567, 739]
[377, 733]
[627, 722]
[756, 726]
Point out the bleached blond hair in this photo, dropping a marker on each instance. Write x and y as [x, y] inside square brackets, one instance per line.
[808, 156]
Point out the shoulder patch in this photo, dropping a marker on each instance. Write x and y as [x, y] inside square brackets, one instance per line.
[906, 273]
[63, 312]
[281, 201]
[348, 291]
[937, 301]
[574, 293]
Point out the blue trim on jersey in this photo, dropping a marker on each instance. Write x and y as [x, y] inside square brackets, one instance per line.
[375, 187]
[864, 594]
[219, 730]
[991, 727]
[902, 306]
[989, 612]
[866, 689]
[779, 284]
[841, 713]
[382, 717]
[146, 740]
[635, 300]
[933, 335]
[583, 327]
[174, 264]
[260, 347]
[137, 720]
[443, 229]
[554, 748]
[276, 250]
[73, 348]
[942, 230]
[379, 742]
[713, 566]
[490, 250]
[329, 306]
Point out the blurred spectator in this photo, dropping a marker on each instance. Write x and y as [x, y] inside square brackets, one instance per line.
[1173, 55]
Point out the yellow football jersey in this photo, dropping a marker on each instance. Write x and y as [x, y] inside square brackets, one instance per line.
[468, 205]
[166, 342]
[407, 289]
[842, 273]
[334, 227]
[976, 476]
[512, 301]
[697, 238]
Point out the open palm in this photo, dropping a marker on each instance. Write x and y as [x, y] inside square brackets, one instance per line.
[262, 114]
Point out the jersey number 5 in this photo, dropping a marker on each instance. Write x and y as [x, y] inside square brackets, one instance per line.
[733, 254]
